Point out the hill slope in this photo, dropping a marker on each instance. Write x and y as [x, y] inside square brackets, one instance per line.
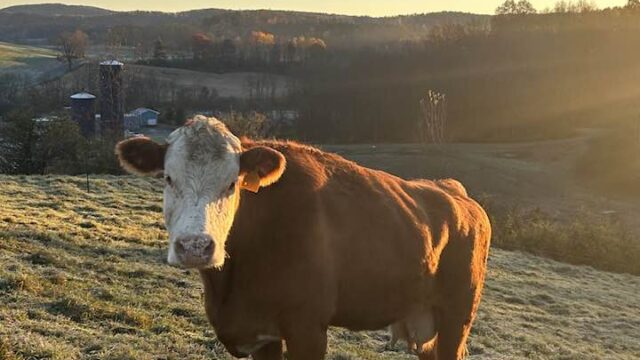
[82, 276]
[22, 55]
[29, 62]
[36, 23]
[56, 10]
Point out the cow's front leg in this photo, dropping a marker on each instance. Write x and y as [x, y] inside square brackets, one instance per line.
[271, 351]
[306, 342]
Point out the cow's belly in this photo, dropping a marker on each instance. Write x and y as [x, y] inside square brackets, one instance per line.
[381, 279]
[373, 302]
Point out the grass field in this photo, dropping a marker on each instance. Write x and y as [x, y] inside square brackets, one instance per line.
[22, 58]
[82, 276]
[233, 84]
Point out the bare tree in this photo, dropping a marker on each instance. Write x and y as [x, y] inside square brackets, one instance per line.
[580, 6]
[434, 117]
[511, 7]
[633, 4]
[72, 46]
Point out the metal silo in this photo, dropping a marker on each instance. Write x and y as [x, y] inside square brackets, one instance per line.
[111, 99]
[83, 112]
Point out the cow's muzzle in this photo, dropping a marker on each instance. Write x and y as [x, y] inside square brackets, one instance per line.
[194, 251]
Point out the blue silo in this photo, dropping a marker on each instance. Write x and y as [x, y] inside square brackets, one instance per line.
[83, 112]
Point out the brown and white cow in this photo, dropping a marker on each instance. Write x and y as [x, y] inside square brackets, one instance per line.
[290, 240]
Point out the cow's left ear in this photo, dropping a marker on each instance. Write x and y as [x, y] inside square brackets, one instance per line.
[261, 166]
[141, 156]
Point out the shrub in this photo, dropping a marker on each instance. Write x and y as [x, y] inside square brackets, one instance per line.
[588, 239]
[253, 124]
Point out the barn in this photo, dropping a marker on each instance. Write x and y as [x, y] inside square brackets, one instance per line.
[136, 119]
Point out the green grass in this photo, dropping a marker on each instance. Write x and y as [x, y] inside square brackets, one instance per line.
[21, 55]
[82, 276]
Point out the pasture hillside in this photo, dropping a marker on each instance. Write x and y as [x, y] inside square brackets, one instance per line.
[235, 84]
[165, 82]
[14, 57]
[83, 276]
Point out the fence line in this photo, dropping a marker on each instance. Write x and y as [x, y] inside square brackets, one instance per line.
[86, 168]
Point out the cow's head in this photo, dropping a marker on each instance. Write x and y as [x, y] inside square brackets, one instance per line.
[205, 169]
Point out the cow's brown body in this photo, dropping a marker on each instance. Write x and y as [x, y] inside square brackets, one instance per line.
[333, 243]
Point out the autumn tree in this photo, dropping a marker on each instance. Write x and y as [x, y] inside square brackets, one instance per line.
[302, 48]
[262, 38]
[72, 46]
[260, 44]
[316, 48]
[201, 45]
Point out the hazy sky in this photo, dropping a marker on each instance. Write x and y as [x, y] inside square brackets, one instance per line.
[355, 7]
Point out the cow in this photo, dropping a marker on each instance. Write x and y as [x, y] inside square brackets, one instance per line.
[289, 240]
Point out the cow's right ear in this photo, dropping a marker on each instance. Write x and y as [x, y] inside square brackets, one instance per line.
[141, 156]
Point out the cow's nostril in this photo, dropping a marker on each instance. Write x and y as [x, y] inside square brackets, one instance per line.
[179, 247]
[209, 247]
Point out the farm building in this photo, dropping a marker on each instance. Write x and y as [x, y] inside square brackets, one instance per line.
[140, 117]
[83, 112]
[111, 98]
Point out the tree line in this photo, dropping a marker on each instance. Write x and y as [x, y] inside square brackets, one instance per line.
[527, 76]
[258, 51]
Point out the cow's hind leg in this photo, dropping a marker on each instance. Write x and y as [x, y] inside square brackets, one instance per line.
[454, 324]
[271, 351]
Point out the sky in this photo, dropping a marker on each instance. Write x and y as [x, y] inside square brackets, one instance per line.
[350, 7]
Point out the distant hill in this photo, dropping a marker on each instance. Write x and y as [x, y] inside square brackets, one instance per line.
[41, 24]
[56, 10]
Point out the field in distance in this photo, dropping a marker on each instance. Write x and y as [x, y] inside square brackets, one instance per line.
[26, 59]
[232, 84]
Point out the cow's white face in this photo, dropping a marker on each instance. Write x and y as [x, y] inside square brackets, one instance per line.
[204, 167]
[201, 169]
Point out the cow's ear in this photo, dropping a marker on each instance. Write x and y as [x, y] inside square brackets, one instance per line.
[261, 166]
[141, 156]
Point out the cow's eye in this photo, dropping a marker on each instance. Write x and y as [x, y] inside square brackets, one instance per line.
[232, 187]
[168, 180]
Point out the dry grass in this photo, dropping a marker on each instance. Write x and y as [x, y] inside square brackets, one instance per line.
[227, 85]
[597, 240]
[82, 276]
[18, 55]
[27, 62]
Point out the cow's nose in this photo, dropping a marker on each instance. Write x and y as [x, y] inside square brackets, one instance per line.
[194, 250]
